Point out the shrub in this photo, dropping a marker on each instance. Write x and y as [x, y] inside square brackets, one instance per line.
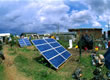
[65, 44]
[12, 40]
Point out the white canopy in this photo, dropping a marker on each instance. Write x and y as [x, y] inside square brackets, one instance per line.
[4, 34]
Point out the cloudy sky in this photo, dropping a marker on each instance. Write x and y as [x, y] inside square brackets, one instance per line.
[44, 16]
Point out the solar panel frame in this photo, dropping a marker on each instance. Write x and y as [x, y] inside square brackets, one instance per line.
[53, 48]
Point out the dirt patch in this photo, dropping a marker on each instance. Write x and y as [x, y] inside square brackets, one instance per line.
[10, 68]
[31, 48]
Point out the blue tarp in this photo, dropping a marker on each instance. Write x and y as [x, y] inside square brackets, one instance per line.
[107, 58]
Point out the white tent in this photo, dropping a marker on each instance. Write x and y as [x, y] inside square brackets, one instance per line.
[4, 34]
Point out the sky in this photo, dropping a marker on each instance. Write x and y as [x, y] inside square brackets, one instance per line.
[45, 16]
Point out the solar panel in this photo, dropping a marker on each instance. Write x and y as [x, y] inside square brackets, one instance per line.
[54, 53]
[21, 42]
[27, 41]
[24, 42]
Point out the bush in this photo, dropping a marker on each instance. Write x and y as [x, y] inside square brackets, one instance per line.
[14, 41]
[65, 44]
[74, 44]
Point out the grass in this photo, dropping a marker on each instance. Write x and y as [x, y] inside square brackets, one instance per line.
[87, 67]
[24, 49]
[2, 74]
[35, 70]
[33, 65]
[13, 53]
[10, 49]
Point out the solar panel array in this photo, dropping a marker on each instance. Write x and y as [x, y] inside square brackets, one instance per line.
[24, 42]
[54, 53]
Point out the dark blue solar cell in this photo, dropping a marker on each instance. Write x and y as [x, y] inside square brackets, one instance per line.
[50, 54]
[55, 44]
[66, 54]
[57, 61]
[44, 47]
[60, 49]
[50, 40]
[37, 42]
[27, 42]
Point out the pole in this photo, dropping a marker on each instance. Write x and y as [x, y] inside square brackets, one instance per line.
[108, 29]
[80, 54]
[58, 31]
[80, 46]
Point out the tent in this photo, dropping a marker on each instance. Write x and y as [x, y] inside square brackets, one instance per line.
[107, 58]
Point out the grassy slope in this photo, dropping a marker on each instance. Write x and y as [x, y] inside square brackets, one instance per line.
[28, 62]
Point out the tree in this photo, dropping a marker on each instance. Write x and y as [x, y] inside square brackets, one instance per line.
[12, 42]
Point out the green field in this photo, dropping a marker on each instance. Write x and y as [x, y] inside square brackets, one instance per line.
[30, 64]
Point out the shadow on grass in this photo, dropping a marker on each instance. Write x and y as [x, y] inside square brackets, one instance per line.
[43, 61]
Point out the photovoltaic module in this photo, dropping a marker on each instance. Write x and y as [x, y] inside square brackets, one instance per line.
[24, 42]
[53, 52]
